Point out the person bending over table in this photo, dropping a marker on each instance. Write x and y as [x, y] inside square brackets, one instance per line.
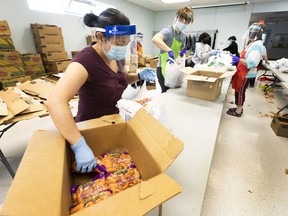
[98, 75]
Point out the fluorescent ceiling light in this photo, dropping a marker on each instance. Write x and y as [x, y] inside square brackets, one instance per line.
[174, 1]
[221, 5]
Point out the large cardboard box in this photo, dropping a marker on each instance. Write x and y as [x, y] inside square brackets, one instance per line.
[205, 83]
[6, 43]
[42, 182]
[47, 39]
[12, 71]
[57, 66]
[4, 28]
[10, 58]
[279, 125]
[34, 70]
[29, 59]
[45, 48]
[54, 56]
[45, 29]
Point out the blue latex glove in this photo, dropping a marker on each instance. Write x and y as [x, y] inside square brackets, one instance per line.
[147, 74]
[213, 52]
[171, 56]
[183, 52]
[85, 159]
[235, 60]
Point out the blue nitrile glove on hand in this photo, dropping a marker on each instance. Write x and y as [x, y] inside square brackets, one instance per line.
[235, 60]
[171, 56]
[183, 52]
[85, 159]
[147, 74]
[213, 52]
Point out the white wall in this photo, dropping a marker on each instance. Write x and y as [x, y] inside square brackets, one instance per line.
[227, 20]
[19, 17]
[233, 20]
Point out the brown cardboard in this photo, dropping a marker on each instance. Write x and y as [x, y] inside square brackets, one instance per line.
[4, 28]
[10, 58]
[152, 61]
[205, 83]
[279, 125]
[14, 81]
[12, 71]
[46, 162]
[37, 87]
[35, 70]
[45, 29]
[58, 66]
[47, 39]
[6, 43]
[29, 59]
[54, 56]
[45, 48]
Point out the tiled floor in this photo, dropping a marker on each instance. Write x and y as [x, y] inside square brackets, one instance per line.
[247, 174]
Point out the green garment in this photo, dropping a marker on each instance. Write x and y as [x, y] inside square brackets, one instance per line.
[176, 46]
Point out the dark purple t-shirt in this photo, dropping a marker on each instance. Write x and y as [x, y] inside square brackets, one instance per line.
[100, 93]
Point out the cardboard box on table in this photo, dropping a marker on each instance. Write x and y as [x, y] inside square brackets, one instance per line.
[42, 182]
[205, 83]
[4, 28]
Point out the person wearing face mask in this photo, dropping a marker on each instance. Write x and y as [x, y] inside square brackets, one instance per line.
[98, 75]
[246, 66]
[171, 41]
[232, 46]
[203, 49]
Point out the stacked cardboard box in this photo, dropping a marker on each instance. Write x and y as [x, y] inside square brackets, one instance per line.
[50, 44]
[33, 64]
[11, 67]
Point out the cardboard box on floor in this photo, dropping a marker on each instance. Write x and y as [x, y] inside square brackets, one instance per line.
[42, 182]
[205, 83]
[279, 125]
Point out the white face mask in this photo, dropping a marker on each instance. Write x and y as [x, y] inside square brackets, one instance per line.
[115, 52]
[179, 26]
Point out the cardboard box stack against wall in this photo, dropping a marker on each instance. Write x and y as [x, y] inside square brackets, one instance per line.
[49, 43]
[11, 66]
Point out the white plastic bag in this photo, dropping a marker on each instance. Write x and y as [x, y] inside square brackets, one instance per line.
[173, 76]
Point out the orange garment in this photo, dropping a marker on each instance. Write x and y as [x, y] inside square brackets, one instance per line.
[239, 76]
[139, 48]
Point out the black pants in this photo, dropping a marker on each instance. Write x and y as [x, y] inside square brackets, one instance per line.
[252, 82]
[161, 80]
[240, 96]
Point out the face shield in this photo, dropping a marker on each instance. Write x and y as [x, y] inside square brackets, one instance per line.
[122, 41]
[253, 33]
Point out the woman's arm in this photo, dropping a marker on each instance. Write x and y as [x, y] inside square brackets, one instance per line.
[159, 42]
[57, 102]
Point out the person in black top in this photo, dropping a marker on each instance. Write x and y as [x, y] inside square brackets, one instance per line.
[233, 47]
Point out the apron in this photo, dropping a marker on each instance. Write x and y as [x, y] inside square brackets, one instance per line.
[240, 74]
[176, 46]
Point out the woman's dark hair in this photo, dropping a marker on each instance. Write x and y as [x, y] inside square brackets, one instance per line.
[205, 38]
[109, 16]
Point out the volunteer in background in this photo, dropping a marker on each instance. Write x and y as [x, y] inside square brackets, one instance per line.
[233, 46]
[265, 59]
[246, 66]
[171, 41]
[98, 75]
[140, 54]
[203, 49]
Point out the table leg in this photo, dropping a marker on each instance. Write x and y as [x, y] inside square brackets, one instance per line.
[7, 165]
[2, 156]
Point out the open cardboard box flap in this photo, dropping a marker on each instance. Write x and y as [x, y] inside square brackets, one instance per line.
[222, 70]
[42, 182]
